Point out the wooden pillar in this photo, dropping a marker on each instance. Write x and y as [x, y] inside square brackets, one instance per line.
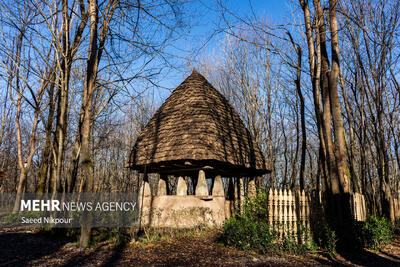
[251, 188]
[239, 194]
[231, 189]
[236, 194]
[230, 200]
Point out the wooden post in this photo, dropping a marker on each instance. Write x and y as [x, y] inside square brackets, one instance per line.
[251, 188]
[280, 204]
[295, 217]
[285, 212]
[354, 205]
[303, 212]
[290, 212]
[308, 213]
[357, 206]
[237, 194]
[270, 207]
[276, 203]
[364, 209]
[231, 196]
[241, 194]
[398, 207]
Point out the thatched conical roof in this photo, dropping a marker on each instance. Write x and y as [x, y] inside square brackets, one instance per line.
[197, 128]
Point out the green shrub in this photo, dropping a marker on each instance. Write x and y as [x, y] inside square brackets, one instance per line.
[377, 231]
[255, 208]
[290, 245]
[246, 234]
[250, 230]
[306, 241]
[329, 240]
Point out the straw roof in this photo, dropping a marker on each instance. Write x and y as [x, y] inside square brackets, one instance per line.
[197, 128]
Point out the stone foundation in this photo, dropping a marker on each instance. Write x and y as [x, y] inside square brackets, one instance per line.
[189, 211]
[183, 211]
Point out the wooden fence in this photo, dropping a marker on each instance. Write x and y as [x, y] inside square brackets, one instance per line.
[288, 210]
[358, 207]
[396, 208]
[291, 212]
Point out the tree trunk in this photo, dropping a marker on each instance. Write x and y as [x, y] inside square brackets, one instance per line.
[62, 103]
[94, 57]
[74, 165]
[332, 153]
[46, 156]
[85, 120]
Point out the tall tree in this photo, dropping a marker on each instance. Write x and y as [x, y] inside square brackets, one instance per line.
[370, 28]
[324, 72]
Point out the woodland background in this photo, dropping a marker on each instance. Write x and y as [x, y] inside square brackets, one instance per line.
[320, 93]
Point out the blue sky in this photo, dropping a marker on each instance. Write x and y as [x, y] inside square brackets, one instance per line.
[206, 19]
[273, 10]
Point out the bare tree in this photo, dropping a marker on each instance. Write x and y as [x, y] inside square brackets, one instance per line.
[370, 29]
[324, 72]
[23, 94]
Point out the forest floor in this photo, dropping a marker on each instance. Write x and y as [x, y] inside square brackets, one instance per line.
[22, 247]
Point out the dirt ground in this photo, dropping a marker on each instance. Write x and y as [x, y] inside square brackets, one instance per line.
[19, 247]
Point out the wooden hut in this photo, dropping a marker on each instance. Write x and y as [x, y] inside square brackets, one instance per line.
[197, 133]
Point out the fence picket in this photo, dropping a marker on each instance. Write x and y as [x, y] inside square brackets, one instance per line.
[290, 212]
[270, 207]
[276, 203]
[288, 209]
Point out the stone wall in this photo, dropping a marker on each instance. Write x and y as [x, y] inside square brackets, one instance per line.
[185, 211]
[182, 210]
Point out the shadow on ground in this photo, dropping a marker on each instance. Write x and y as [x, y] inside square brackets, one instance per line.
[18, 248]
[372, 258]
